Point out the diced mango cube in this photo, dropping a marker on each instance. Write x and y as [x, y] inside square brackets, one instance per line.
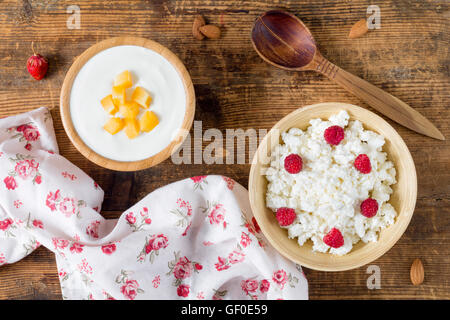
[129, 110]
[123, 80]
[142, 97]
[148, 121]
[108, 105]
[114, 125]
[118, 95]
[131, 128]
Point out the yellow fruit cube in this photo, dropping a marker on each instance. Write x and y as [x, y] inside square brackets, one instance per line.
[148, 121]
[142, 97]
[118, 95]
[114, 125]
[123, 80]
[132, 128]
[108, 105]
[129, 110]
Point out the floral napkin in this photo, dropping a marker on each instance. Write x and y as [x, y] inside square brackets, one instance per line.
[193, 239]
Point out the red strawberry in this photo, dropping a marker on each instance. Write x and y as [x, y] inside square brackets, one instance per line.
[334, 238]
[37, 66]
[285, 216]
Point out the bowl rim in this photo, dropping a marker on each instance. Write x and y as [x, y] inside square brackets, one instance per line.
[93, 156]
[262, 224]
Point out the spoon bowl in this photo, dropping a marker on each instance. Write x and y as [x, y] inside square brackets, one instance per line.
[283, 40]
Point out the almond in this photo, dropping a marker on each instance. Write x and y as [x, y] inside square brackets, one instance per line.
[417, 272]
[199, 21]
[210, 31]
[358, 29]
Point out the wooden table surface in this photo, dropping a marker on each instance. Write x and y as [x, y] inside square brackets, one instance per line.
[407, 57]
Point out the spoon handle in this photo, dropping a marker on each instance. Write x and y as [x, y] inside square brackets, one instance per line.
[379, 99]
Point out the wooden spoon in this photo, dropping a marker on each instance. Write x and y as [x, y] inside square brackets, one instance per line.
[281, 39]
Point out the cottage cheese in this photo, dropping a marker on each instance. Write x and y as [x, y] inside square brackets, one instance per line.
[328, 191]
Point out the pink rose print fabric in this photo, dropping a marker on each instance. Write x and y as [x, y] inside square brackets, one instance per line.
[192, 239]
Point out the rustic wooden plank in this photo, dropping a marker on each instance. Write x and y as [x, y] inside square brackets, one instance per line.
[426, 238]
[34, 277]
[408, 57]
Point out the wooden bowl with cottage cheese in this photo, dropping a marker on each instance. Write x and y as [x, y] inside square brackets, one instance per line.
[402, 198]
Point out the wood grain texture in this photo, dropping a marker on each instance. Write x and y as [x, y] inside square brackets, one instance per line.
[408, 57]
[382, 101]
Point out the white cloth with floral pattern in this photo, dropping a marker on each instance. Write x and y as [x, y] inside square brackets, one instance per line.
[193, 239]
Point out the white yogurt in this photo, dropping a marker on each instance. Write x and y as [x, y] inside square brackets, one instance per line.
[149, 70]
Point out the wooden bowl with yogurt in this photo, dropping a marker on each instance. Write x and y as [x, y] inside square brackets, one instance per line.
[153, 67]
[403, 198]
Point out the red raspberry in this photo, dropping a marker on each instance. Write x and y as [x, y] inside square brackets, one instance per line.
[293, 163]
[334, 135]
[334, 238]
[369, 207]
[286, 216]
[362, 163]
